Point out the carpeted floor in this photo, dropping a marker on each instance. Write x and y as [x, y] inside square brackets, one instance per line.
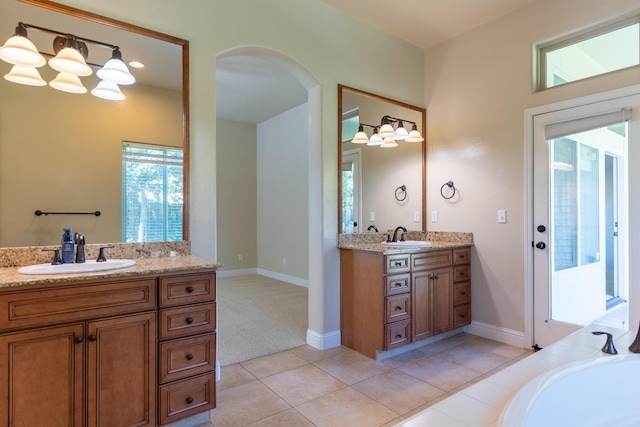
[259, 316]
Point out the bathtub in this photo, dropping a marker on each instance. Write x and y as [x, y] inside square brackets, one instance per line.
[603, 391]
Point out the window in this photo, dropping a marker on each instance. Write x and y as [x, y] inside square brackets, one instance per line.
[589, 53]
[151, 193]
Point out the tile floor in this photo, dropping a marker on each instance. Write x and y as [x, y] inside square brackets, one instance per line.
[340, 387]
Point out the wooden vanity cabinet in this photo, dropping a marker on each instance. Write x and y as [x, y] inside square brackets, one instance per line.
[387, 301]
[97, 367]
[137, 352]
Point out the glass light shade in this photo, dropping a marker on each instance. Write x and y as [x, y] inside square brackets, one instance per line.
[25, 76]
[108, 90]
[68, 83]
[375, 139]
[386, 130]
[117, 72]
[389, 142]
[414, 135]
[360, 137]
[19, 50]
[70, 60]
[401, 132]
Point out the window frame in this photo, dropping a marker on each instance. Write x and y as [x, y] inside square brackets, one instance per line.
[541, 49]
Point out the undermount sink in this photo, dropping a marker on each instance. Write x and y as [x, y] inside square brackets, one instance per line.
[86, 267]
[409, 244]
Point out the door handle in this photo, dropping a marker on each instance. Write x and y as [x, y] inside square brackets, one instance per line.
[542, 228]
[540, 245]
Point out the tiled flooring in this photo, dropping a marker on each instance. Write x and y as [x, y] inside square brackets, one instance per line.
[340, 387]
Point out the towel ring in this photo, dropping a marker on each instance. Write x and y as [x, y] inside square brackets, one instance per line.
[401, 192]
[451, 187]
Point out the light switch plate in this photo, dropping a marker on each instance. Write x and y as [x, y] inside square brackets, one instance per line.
[372, 216]
[502, 216]
[434, 216]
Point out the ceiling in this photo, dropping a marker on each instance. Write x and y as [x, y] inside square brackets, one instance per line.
[251, 90]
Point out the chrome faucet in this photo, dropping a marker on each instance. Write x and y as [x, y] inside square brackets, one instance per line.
[395, 234]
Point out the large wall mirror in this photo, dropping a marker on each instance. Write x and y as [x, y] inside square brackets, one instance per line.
[381, 187]
[63, 153]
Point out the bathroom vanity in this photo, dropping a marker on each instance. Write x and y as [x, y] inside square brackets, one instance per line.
[391, 297]
[124, 347]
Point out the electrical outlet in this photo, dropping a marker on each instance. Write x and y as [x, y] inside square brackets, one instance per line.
[502, 216]
[416, 216]
[372, 216]
[434, 216]
[240, 257]
[284, 261]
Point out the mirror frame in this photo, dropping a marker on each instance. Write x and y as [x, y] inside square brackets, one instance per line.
[89, 16]
[421, 110]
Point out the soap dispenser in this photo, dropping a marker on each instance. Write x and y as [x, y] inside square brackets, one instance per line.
[68, 253]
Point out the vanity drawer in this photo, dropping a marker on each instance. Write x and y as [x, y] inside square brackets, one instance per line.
[49, 306]
[182, 399]
[461, 315]
[397, 334]
[186, 357]
[429, 260]
[461, 256]
[398, 284]
[461, 293]
[461, 273]
[398, 263]
[397, 307]
[187, 289]
[189, 320]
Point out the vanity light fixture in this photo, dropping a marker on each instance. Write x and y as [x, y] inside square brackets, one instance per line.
[387, 136]
[71, 53]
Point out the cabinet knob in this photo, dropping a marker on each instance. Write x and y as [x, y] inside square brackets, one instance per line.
[93, 337]
[190, 289]
[78, 339]
[189, 356]
[434, 277]
[189, 320]
[189, 399]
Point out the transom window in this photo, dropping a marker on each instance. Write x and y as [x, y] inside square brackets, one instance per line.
[598, 50]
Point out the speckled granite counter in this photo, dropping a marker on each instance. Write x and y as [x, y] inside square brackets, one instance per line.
[373, 241]
[152, 258]
[10, 278]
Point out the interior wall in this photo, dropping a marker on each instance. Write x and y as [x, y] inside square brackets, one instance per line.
[237, 211]
[478, 86]
[51, 140]
[335, 56]
[283, 195]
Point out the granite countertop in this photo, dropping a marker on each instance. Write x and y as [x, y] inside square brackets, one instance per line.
[390, 250]
[10, 278]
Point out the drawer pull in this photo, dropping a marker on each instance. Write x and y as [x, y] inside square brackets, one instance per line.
[189, 356]
[398, 308]
[189, 320]
[399, 336]
[398, 284]
[93, 337]
[397, 263]
[434, 277]
[78, 339]
[190, 289]
[189, 400]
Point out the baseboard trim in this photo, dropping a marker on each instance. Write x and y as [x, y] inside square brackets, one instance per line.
[323, 341]
[233, 273]
[283, 277]
[496, 333]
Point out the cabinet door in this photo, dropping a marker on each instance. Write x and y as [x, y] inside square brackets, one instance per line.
[121, 371]
[41, 377]
[442, 300]
[422, 313]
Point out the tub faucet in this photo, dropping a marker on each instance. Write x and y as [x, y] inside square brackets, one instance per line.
[635, 345]
[395, 234]
[608, 348]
